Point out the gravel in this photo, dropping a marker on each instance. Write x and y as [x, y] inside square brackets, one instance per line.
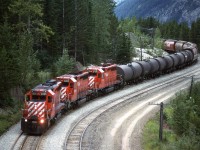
[8, 138]
[114, 133]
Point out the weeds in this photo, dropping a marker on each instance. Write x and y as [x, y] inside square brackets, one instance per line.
[9, 116]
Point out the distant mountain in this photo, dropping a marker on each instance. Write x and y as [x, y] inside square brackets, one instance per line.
[163, 10]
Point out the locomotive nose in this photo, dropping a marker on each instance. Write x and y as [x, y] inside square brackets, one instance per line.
[34, 117]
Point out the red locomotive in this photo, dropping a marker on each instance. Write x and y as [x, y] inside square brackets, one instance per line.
[45, 102]
[74, 88]
[103, 79]
[42, 105]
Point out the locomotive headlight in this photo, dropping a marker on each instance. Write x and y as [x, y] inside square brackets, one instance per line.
[42, 121]
[25, 120]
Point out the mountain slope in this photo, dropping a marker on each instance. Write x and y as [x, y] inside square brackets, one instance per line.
[163, 10]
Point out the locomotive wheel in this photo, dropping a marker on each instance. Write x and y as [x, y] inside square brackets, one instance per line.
[52, 121]
[75, 105]
[88, 98]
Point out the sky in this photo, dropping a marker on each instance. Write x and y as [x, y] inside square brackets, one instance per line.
[118, 1]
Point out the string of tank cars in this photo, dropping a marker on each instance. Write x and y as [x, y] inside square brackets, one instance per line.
[74, 138]
[46, 102]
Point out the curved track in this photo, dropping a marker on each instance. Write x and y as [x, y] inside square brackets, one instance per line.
[74, 138]
[24, 142]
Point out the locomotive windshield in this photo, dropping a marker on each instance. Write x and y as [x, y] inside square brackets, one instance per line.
[65, 83]
[40, 98]
[92, 73]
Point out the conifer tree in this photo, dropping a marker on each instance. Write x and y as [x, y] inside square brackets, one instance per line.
[64, 64]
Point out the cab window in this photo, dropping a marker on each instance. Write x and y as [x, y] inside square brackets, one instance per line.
[49, 99]
[38, 98]
[27, 97]
[92, 73]
[71, 85]
[65, 83]
[99, 75]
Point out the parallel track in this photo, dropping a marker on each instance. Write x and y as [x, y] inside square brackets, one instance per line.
[74, 138]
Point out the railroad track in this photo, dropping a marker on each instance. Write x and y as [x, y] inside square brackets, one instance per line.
[75, 137]
[24, 142]
[18, 141]
[31, 142]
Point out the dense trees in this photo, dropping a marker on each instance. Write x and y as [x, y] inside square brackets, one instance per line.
[166, 30]
[36, 34]
[185, 119]
[83, 27]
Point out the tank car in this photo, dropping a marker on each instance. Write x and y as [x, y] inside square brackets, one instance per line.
[126, 72]
[169, 45]
[137, 71]
[174, 46]
[190, 56]
[194, 50]
[131, 73]
[175, 60]
[146, 68]
[162, 64]
[181, 60]
[179, 45]
[169, 63]
[154, 67]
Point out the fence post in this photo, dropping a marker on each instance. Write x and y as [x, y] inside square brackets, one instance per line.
[191, 86]
[161, 122]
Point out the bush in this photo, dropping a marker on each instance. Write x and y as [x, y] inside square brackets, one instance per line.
[183, 116]
[43, 76]
[9, 117]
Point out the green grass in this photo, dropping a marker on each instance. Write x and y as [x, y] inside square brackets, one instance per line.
[151, 136]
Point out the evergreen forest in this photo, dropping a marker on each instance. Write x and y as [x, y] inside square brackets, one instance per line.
[40, 39]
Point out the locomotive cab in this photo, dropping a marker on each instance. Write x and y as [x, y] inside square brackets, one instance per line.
[41, 106]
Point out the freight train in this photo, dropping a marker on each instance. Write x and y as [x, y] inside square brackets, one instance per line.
[46, 102]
